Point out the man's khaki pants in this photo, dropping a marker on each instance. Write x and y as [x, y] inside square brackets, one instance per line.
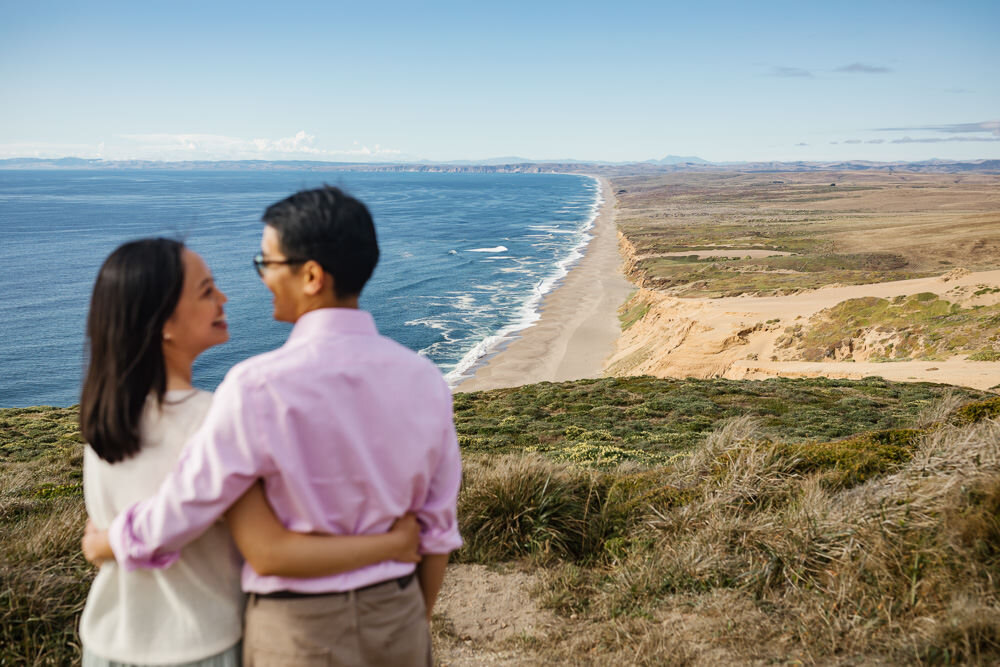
[381, 625]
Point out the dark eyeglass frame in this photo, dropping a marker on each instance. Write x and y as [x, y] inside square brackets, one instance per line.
[260, 263]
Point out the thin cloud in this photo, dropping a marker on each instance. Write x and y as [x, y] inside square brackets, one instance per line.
[802, 144]
[875, 141]
[791, 72]
[301, 145]
[938, 140]
[991, 126]
[852, 141]
[863, 68]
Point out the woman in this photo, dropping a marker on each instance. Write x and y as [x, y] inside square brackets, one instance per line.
[154, 309]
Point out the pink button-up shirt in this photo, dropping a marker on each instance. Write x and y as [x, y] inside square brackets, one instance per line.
[348, 429]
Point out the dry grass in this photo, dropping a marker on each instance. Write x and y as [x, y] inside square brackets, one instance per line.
[43, 585]
[518, 506]
[43, 577]
[901, 569]
[879, 548]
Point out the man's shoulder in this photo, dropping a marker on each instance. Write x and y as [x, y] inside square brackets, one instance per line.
[255, 370]
[417, 363]
[403, 353]
[289, 361]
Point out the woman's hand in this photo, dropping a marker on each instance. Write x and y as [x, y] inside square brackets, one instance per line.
[406, 532]
[95, 545]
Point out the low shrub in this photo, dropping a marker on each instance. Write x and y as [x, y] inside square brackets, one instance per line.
[977, 411]
[849, 462]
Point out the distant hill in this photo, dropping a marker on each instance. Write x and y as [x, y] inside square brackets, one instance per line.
[679, 159]
[670, 163]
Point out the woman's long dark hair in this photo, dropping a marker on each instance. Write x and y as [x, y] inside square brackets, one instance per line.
[136, 291]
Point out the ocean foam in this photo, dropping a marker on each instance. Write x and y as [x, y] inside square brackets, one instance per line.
[499, 248]
[529, 311]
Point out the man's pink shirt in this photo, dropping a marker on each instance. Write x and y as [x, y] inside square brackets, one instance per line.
[348, 430]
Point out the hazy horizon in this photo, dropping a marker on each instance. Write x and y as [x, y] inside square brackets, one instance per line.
[486, 162]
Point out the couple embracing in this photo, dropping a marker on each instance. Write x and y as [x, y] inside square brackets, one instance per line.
[330, 463]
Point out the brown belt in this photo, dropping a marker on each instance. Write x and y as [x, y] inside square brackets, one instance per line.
[403, 582]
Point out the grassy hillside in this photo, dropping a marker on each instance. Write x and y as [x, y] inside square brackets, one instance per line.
[651, 421]
[919, 326]
[783, 232]
[817, 520]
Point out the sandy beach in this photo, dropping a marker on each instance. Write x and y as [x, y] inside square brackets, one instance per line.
[578, 327]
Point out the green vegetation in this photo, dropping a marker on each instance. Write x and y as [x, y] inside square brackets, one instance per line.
[919, 326]
[602, 423]
[973, 413]
[634, 310]
[847, 463]
[731, 213]
[26, 433]
[719, 277]
[749, 506]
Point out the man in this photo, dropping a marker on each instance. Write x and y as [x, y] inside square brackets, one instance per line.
[347, 429]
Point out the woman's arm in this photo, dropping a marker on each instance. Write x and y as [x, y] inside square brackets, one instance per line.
[272, 550]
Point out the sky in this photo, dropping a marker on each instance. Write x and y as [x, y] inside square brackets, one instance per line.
[440, 81]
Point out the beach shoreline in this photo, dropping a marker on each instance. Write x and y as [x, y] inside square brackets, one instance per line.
[578, 325]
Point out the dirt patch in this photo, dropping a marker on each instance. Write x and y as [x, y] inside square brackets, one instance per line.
[481, 611]
[955, 274]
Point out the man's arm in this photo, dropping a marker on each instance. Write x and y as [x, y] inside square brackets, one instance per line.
[430, 573]
[439, 514]
[273, 550]
[220, 462]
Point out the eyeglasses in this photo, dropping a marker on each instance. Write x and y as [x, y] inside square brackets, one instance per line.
[260, 263]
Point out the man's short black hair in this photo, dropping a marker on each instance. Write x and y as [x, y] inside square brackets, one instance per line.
[332, 228]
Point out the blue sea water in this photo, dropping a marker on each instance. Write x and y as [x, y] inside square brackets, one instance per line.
[466, 258]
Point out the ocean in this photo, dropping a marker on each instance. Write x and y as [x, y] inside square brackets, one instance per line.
[465, 258]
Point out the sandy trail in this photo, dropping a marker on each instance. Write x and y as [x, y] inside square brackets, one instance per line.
[735, 337]
[734, 252]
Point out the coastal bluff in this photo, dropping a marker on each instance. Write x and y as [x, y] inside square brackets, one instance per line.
[781, 275]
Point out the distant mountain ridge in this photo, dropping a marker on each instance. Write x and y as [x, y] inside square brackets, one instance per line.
[670, 163]
[678, 159]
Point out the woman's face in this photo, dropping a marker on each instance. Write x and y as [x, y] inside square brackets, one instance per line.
[198, 321]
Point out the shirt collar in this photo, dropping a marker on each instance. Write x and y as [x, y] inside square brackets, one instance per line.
[327, 321]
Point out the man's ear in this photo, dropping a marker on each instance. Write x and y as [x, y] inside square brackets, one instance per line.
[314, 278]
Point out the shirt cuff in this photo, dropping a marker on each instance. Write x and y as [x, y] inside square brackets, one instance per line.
[440, 541]
[130, 552]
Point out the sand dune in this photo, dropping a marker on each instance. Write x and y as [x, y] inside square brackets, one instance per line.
[735, 337]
